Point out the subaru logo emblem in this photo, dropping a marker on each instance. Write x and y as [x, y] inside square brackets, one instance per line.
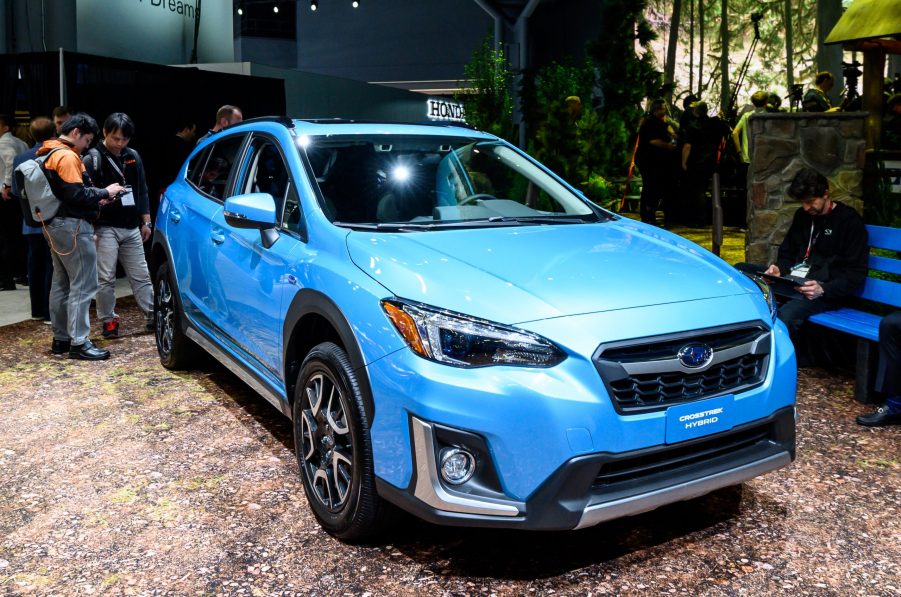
[695, 355]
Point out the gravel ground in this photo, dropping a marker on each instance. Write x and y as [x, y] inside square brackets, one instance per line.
[123, 478]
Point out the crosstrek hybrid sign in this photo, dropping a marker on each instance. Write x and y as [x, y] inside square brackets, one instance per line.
[159, 31]
[697, 419]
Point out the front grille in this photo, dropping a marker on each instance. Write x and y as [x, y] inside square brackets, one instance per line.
[649, 390]
[671, 460]
[644, 375]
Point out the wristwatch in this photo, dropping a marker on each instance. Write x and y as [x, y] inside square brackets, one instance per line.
[147, 225]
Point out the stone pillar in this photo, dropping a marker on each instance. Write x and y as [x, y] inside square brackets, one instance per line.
[780, 145]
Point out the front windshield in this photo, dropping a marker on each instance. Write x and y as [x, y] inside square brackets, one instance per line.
[386, 181]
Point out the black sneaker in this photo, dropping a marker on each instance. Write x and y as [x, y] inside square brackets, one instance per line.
[88, 352]
[111, 328]
[880, 417]
[60, 346]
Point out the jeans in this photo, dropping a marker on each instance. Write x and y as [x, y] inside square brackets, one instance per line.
[74, 278]
[123, 245]
[40, 275]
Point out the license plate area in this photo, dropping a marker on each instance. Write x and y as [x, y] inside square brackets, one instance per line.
[697, 419]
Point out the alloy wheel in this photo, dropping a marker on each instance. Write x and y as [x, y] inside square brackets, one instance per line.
[164, 315]
[327, 449]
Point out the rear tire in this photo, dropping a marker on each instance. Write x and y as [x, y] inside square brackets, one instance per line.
[333, 446]
[175, 349]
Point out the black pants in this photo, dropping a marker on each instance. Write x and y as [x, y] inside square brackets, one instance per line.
[796, 311]
[888, 376]
[40, 274]
[695, 212]
[653, 192]
[12, 264]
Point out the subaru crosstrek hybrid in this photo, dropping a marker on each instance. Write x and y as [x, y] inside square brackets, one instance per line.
[456, 331]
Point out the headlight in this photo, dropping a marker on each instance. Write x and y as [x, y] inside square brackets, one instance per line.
[767, 293]
[456, 339]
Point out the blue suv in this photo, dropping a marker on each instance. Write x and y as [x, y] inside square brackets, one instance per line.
[456, 331]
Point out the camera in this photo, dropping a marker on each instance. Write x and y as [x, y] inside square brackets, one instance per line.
[851, 70]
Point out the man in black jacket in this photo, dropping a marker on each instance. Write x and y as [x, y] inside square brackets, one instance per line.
[123, 226]
[656, 161]
[702, 145]
[826, 244]
[71, 238]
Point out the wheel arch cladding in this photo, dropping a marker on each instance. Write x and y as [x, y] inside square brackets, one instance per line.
[311, 319]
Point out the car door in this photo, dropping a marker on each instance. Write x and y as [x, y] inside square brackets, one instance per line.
[252, 277]
[209, 182]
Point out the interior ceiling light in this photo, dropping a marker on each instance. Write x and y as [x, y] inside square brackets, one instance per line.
[355, 3]
[275, 8]
[240, 11]
[314, 4]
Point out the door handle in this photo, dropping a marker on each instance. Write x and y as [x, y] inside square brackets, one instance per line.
[174, 216]
[217, 237]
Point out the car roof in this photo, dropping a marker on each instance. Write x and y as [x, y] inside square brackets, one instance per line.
[338, 126]
[352, 127]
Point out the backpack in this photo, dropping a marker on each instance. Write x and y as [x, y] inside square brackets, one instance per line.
[39, 204]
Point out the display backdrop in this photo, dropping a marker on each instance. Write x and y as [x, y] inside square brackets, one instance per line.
[159, 31]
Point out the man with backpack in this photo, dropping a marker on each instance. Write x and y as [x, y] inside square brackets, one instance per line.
[71, 237]
[123, 226]
[40, 264]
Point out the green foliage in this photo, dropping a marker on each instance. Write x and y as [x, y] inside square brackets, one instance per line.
[556, 143]
[625, 77]
[556, 136]
[488, 102]
[606, 142]
[883, 207]
[595, 141]
[582, 116]
[601, 191]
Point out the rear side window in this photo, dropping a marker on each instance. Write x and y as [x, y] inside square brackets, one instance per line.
[195, 166]
[213, 179]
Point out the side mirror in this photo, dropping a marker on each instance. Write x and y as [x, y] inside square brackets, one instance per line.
[253, 210]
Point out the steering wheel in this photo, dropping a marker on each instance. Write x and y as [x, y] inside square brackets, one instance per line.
[475, 197]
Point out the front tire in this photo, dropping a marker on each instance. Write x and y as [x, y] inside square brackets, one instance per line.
[333, 447]
[174, 348]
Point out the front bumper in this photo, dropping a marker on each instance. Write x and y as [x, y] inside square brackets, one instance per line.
[591, 489]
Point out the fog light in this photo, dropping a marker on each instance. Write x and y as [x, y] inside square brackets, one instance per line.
[457, 465]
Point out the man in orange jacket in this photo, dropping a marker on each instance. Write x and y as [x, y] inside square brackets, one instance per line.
[71, 238]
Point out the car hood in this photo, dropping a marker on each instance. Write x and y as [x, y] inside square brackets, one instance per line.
[528, 273]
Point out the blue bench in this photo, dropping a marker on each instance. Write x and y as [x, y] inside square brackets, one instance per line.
[862, 324]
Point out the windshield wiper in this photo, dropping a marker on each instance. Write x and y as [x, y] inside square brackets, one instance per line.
[546, 219]
[495, 221]
[389, 227]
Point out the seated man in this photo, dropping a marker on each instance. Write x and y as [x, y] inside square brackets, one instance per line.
[816, 100]
[826, 244]
[888, 376]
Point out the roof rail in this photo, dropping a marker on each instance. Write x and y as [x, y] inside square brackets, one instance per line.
[288, 122]
[438, 123]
